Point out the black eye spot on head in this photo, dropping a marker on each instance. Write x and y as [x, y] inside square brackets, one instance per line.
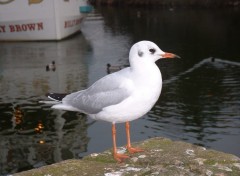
[152, 50]
[140, 53]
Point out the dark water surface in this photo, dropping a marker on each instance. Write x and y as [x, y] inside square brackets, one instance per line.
[200, 100]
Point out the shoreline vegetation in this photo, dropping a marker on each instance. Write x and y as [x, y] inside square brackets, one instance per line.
[169, 3]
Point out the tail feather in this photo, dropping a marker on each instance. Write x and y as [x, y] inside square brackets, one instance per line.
[57, 102]
[56, 96]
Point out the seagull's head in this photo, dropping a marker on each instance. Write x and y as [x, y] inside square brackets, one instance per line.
[148, 51]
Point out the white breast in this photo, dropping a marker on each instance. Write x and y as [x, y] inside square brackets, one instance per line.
[146, 93]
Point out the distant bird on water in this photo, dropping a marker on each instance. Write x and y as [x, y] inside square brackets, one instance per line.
[113, 68]
[51, 66]
[122, 96]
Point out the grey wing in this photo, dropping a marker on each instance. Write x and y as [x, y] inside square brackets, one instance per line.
[105, 92]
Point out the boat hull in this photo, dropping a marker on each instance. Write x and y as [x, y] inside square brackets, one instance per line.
[47, 20]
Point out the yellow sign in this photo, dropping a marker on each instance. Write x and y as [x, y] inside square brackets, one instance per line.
[34, 1]
[29, 1]
[5, 1]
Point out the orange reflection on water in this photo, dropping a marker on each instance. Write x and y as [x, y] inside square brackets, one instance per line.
[41, 142]
[39, 128]
[17, 115]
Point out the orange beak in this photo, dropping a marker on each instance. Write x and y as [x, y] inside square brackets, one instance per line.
[170, 55]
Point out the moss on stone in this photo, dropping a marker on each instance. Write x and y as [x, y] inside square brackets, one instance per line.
[161, 157]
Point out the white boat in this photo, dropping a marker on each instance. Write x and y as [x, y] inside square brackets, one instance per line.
[27, 20]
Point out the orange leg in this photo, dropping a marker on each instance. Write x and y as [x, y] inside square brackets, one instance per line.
[117, 156]
[129, 146]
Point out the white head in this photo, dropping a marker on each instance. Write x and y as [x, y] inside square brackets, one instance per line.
[147, 51]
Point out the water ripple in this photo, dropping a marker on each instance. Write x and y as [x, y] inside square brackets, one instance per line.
[201, 103]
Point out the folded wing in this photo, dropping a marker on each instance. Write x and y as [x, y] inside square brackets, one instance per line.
[103, 93]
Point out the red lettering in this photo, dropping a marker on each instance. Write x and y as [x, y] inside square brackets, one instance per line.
[67, 24]
[31, 26]
[12, 29]
[40, 26]
[78, 21]
[71, 23]
[24, 27]
[18, 28]
[2, 29]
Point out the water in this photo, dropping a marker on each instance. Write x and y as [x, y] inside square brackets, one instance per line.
[199, 102]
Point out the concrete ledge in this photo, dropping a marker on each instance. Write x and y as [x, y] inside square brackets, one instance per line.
[161, 157]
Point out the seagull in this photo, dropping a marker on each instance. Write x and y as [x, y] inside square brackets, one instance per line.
[122, 96]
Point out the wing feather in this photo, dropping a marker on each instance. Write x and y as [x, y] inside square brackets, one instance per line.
[107, 91]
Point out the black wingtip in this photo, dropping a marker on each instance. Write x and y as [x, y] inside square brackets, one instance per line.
[56, 96]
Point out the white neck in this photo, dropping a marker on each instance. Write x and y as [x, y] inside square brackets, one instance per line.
[148, 73]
